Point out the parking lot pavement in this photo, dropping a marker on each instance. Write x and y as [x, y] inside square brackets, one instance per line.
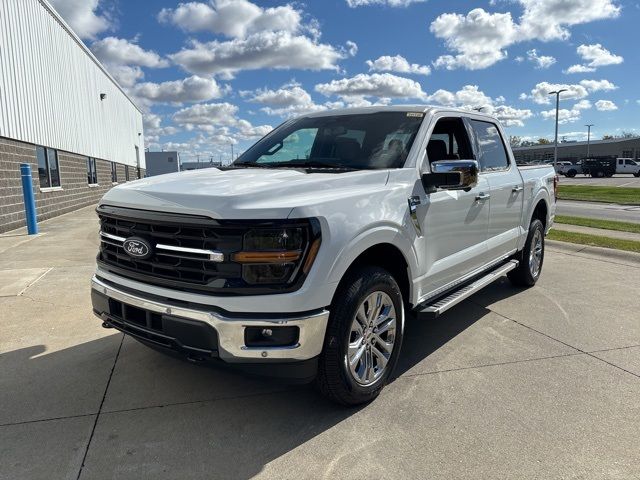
[538, 383]
[605, 211]
[615, 181]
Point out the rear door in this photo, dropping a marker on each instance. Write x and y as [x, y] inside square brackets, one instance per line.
[499, 169]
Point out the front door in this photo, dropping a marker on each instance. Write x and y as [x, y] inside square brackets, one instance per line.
[454, 222]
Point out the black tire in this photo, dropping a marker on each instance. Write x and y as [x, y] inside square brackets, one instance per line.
[334, 379]
[525, 275]
[571, 173]
[637, 174]
[598, 174]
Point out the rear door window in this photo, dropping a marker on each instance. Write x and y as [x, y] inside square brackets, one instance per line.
[492, 153]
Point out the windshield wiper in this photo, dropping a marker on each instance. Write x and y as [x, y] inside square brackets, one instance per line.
[310, 164]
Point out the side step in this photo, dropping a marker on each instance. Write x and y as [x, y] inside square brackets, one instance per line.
[445, 303]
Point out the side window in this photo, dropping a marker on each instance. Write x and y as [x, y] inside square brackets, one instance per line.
[629, 162]
[48, 171]
[492, 153]
[449, 141]
[296, 146]
[92, 171]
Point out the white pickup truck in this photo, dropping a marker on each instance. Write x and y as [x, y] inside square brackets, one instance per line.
[303, 258]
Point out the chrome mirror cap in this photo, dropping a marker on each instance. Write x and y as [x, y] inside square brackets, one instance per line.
[451, 175]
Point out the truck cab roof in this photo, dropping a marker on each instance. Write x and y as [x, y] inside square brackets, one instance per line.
[426, 109]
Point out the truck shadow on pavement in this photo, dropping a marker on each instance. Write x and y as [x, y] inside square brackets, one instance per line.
[166, 418]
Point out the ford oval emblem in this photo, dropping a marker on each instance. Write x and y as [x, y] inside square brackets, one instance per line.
[137, 247]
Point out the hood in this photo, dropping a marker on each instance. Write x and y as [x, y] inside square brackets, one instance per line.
[255, 193]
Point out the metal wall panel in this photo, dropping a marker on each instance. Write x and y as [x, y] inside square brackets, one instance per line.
[50, 86]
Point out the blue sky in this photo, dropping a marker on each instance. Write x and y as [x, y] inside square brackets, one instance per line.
[213, 73]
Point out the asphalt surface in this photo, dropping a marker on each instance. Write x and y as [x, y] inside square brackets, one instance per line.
[511, 384]
[615, 181]
[606, 211]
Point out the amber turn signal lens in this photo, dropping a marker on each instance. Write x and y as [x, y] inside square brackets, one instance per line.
[285, 256]
[313, 251]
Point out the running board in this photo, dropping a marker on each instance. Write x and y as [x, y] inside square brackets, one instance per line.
[445, 303]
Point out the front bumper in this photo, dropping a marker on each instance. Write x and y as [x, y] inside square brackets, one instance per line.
[207, 332]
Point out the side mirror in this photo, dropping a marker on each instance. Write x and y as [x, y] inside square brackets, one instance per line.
[451, 175]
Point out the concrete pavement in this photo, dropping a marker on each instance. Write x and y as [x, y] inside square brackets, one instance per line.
[605, 211]
[616, 181]
[538, 383]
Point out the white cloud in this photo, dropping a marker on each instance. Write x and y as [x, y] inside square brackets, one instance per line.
[469, 96]
[390, 3]
[277, 50]
[383, 85]
[246, 131]
[606, 105]
[153, 126]
[232, 18]
[598, 85]
[352, 48]
[564, 115]
[598, 56]
[119, 51]
[82, 17]
[540, 61]
[579, 69]
[287, 101]
[582, 105]
[206, 114]
[191, 89]
[480, 38]
[540, 93]
[511, 116]
[125, 75]
[546, 19]
[398, 64]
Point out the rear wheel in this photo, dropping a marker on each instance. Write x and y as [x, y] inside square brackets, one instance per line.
[531, 257]
[599, 174]
[637, 174]
[363, 337]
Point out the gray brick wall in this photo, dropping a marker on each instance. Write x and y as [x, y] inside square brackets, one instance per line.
[75, 193]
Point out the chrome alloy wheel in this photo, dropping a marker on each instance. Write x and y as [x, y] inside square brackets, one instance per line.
[535, 254]
[372, 336]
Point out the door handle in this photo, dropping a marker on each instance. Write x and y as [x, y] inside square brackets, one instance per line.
[517, 188]
[482, 196]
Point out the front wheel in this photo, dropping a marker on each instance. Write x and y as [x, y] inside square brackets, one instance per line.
[571, 173]
[363, 338]
[637, 174]
[531, 257]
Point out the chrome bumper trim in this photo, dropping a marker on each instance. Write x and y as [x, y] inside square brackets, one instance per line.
[231, 329]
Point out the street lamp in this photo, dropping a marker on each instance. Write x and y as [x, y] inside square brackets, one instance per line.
[555, 149]
[588, 138]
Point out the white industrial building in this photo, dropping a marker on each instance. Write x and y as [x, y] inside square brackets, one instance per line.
[61, 111]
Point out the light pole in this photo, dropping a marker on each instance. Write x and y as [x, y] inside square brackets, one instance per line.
[555, 148]
[588, 138]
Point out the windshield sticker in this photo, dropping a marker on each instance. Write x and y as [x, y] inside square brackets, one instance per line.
[415, 114]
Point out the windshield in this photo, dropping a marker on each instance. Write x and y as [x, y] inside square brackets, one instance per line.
[362, 141]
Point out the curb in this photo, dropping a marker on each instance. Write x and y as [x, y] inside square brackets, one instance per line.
[609, 253]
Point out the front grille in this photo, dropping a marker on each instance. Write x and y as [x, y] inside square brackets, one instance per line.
[190, 253]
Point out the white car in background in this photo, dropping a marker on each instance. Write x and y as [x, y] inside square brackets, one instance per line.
[628, 165]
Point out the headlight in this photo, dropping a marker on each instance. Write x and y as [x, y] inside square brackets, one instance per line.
[276, 255]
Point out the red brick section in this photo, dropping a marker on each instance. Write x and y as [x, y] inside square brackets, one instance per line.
[75, 193]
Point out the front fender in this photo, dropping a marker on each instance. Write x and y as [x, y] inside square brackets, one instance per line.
[379, 234]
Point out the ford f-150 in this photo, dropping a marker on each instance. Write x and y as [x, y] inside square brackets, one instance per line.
[304, 257]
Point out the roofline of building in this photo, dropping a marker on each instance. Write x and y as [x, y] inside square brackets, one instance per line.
[573, 144]
[86, 49]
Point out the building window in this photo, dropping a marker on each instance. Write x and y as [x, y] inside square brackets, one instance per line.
[126, 173]
[48, 170]
[114, 172]
[92, 172]
[627, 154]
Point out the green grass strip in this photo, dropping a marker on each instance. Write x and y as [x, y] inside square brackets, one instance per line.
[588, 193]
[599, 223]
[594, 240]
